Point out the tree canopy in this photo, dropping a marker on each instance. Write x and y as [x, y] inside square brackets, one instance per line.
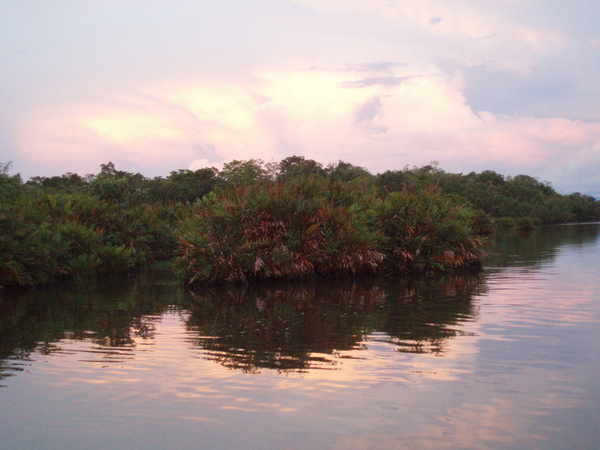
[254, 220]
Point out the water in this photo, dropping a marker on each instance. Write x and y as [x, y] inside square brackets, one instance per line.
[508, 359]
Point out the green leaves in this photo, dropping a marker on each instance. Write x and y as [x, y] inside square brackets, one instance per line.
[505, 199]
[278, 230]
[254, 221]
[425, 232]
[48, 236]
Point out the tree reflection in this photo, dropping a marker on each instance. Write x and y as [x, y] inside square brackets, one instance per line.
[514, 248]
[110, 313]
[291, 327]
[285, 327]
[311, 326]
[288, 327]
[422, 315]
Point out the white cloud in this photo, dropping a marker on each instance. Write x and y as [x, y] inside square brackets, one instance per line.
[204, 163]
[131, 129]
[378, 83]
[458, 20]
[325, 114]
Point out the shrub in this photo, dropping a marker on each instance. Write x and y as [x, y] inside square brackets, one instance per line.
[425, 232]
[282, 230]
[525, 224]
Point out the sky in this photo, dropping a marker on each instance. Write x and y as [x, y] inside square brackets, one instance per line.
[161, 85]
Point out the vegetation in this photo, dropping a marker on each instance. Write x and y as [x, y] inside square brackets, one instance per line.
[276, 230]
[426, 232]
[253, 221]
[521, 200]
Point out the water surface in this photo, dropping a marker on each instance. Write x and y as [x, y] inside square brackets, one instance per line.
[508, 359]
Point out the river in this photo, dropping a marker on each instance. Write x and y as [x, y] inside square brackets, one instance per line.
[506, 359]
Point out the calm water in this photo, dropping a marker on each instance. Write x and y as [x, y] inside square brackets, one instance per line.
[509, 359]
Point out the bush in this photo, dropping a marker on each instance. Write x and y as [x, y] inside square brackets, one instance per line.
[525, 224]
[282, 230]
[425, 232]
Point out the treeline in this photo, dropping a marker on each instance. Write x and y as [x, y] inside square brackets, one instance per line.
[518, 201]
[252, 221]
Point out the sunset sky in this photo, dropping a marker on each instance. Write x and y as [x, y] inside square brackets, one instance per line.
[160, 85]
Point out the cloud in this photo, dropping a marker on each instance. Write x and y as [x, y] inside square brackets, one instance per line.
[369, 110]
[460, 19]
[375, 67]
[380, 126]
[375, 81]
[127, 128]
[203, 164]
[581, 172]
[508, 86]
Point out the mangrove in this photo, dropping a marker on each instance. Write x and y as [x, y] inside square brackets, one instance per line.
[254, 221]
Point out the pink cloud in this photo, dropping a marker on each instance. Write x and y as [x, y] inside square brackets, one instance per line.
[322, 114]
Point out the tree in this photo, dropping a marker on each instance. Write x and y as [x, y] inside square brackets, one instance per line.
[346, 172]
[68, 182]
[183, 185]
[243, 173]
[299, 167]
[10, 186]
[118, 186]
[584, 207]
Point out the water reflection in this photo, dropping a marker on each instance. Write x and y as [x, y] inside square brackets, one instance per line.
[295, 327]
[112, 314]
[508, 360]
[309, 326]
[514, 248]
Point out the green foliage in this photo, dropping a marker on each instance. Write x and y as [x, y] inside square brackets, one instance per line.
[525, 224]
[299, 167]
[110, 189]
[305, 227]
[44, 236]
[281, 230]
[67, 183]
[183, 186]
[583, 207]
[506, 199]
[425, 232]
[10, 186]
[505, 222]
[25, 248]
[346, 172]
[116, 186]
[243, 173]
[255, 221]
[50, 238]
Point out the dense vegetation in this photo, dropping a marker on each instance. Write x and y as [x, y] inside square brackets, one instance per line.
[253, 221]
[512, 201]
